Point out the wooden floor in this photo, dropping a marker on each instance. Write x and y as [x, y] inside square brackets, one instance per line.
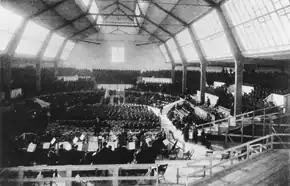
[272, 168]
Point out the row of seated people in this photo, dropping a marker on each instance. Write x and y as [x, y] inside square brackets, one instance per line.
[272, 80]
[147, 98]
[128, 112]
[115, 76]
[207, 107]
[156, 87]
[109, 112]
[60, 102]
[113, 100]
[188, 115]
[126, 124]
[30, 149]
[25, 78]
[254, 100]
[134, 125]
[66, 131]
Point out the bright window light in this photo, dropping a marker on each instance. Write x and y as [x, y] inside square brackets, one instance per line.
[100, 20]
[186, 45]
[118, 54]
[5, 37]
[32, 39]
[10, 24]
[86, 2]
[173, 49]
[261, 26]
[7, 26]
[53, 46]
[94, 9]
[137, 11]
[67, 50]
[164, 53]
[212, 37]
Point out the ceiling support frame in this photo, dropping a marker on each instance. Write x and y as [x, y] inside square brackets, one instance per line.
[70, 22]
[169, 13]
[144, 29]
[147, 19]
[48, 8]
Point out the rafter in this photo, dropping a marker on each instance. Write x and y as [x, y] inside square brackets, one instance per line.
[150, 43]
[70, 22]
[107, 15]
[169, 13]
[142, 28]
[49, 7]
[211, 2]
[149, 20]
[111, 14]
[81, 31]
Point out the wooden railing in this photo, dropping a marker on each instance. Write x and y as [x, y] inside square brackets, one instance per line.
[241, 119]
[67, 170]
[222, 159]
[234, 155]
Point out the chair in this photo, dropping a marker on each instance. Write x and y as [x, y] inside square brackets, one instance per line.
[187, 155]
[161, 171]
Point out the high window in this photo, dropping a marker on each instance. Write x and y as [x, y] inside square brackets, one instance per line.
[86, 2]
[164, 53]
[212, 37]
[32, 39]
[262, 26]
[8, 27]
[118, 54]
[67, 50]
[187, 46]
[173, 49]
[94, 10]
[53, 46]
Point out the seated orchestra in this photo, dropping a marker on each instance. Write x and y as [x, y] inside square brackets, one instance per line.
[81, 127]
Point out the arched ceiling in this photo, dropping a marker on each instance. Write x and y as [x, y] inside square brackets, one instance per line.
[157, 21]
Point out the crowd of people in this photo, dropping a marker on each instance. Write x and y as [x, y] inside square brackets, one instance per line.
[56, 148]
[149, 98]
[84, 109]
[184, 119]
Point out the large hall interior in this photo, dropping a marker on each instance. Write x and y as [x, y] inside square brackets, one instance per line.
[144, 92]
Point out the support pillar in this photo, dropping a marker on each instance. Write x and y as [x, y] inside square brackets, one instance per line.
[8, 57]
[184, 79]
[39, 60]
[184, 62]
[238, 58]
[172, 63]
[58, 56]
[203, 67]
[239, 67]
[6, 76]
[173, 73]
[203, 62]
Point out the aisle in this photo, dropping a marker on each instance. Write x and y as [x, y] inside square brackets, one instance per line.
[198, 156]
[166, 124]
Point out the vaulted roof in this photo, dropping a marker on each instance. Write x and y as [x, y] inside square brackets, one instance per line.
[140, 20]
